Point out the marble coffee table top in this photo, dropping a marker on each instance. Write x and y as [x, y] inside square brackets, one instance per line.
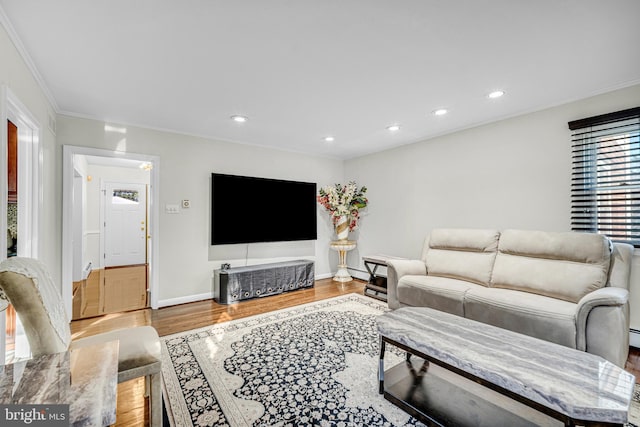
[581, 385]
[85, 378]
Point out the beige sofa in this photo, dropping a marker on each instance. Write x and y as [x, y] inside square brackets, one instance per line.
[568, 288]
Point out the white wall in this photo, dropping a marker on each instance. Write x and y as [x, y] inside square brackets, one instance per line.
[511, 174]
[186, 258]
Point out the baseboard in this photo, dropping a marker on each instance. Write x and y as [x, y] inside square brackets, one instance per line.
[634, 338]
[184, 300]
[358, 274]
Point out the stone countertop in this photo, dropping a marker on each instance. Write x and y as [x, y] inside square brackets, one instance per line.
[85, 378]
[581, 385]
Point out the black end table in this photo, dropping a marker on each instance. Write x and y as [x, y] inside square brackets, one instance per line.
[377, 285]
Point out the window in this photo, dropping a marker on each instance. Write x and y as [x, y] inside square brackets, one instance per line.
[605, 180]
[125, 197]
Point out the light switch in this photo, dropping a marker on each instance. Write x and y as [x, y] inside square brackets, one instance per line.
[172, 209]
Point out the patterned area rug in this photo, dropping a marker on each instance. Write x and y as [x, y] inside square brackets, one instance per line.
[314, 364]
[634, 411]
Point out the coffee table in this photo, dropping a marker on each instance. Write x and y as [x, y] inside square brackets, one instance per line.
[572, 386]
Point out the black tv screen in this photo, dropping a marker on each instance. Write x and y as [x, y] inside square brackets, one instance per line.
[249, 210]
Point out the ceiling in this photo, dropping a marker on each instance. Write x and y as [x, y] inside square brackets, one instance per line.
[301, 70]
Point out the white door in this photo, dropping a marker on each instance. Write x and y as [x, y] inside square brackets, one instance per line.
[125, 224]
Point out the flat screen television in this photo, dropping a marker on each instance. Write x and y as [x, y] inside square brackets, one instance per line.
[246, 209]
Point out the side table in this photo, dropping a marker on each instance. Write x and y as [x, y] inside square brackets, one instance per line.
[342, 246]
[377, 285]
[85, 378]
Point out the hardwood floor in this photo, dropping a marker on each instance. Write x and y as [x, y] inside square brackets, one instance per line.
[170, 320]
[110, 290]
[633, 363]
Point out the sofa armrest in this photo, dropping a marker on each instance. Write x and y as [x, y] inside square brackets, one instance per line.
[620, 271]
[395, 270]
[602, 324]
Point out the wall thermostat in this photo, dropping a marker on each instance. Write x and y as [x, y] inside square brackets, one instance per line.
[186, 204]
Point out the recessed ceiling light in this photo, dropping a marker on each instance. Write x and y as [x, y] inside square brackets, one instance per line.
[440, 112]
[496, 94]
[329, 139]
[393, 128]
[239, 119]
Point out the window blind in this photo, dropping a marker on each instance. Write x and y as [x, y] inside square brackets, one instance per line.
[605, 179]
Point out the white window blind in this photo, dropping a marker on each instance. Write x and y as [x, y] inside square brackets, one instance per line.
[605, 180]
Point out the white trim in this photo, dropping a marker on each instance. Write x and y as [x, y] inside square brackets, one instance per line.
[68, 151]
[17, 43]
[3, 208]
[154, 218]
[4, 185]
[101, 255]
[358, 274]
[185, 300]
[31, 159]
[634, 338]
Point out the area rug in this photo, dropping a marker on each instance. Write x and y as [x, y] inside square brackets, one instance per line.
[314, 364]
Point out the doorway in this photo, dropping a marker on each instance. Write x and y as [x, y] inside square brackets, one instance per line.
[110, 238]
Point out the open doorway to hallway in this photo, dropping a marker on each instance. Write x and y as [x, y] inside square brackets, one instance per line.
[110, 235]
[104, 274]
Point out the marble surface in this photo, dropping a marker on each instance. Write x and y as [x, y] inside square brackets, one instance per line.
[343, 245]
[581, 385]
[85, 378]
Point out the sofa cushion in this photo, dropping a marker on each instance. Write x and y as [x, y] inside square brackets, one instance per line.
[535, 315]
[461, 254]
[559, 265]
[440, 293]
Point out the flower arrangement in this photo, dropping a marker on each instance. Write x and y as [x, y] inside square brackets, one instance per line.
[343, 200]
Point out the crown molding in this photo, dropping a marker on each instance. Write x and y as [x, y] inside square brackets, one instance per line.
[13, 36]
